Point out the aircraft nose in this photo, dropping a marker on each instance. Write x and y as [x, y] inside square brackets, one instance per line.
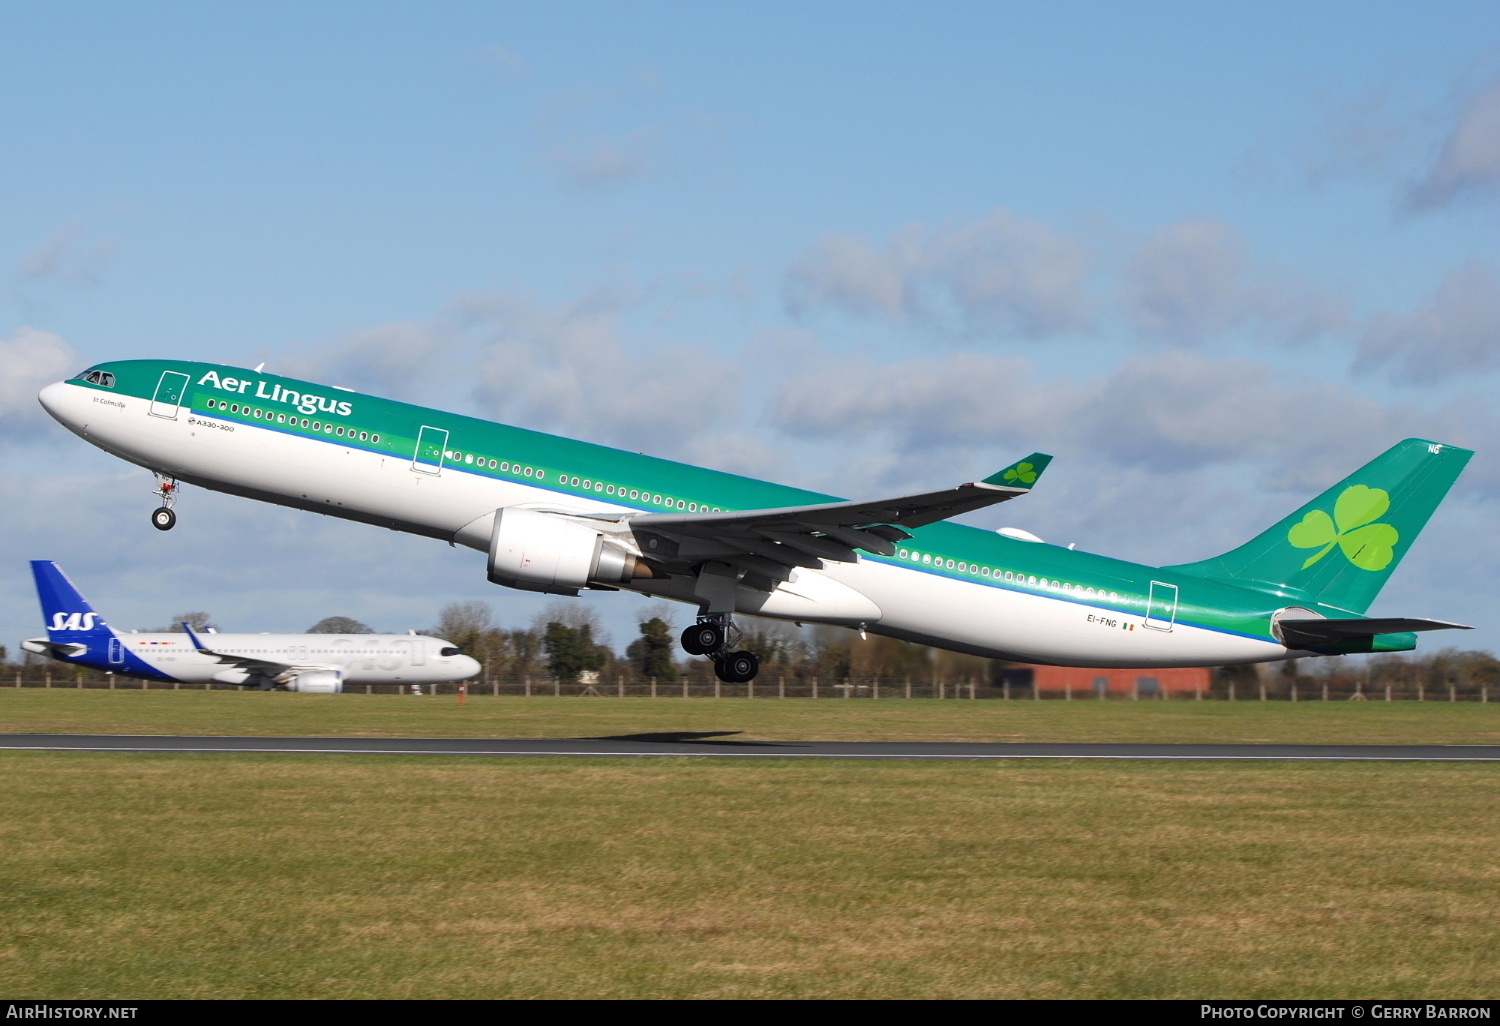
[470, 666]
[52, 399]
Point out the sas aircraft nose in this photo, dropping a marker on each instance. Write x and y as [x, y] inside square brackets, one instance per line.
[469, 665]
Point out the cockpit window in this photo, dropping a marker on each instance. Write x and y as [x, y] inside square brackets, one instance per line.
[449, 650]
[99, 377]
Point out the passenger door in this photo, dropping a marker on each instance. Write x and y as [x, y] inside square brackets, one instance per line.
[432, 443]
[1161, 607]
[169, 393]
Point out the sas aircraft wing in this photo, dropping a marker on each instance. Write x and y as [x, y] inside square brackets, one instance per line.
[272, 668]
[771, 542]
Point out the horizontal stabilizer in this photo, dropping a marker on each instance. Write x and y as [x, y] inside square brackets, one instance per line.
[1318, 632]
[55, 649]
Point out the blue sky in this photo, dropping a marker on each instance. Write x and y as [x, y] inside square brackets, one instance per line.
[1212, 256]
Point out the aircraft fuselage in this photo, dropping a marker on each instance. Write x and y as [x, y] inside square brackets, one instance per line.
[443, 475]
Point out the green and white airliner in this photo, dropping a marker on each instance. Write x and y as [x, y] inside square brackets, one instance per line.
[556, 515]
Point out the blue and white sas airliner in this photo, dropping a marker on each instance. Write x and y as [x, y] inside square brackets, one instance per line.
[319, 663]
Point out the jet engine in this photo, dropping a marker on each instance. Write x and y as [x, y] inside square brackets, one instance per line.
[317, 682]
[537, 551]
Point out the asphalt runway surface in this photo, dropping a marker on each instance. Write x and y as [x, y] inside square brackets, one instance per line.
[722, 745]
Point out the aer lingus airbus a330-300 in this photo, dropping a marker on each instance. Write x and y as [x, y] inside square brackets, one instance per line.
[558, 516]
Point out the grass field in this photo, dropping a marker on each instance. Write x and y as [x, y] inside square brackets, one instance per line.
[320, 876]
[279, 713]
[136, 876]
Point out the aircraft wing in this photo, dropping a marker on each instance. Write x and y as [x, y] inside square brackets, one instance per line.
[771, 541]
[269, 667]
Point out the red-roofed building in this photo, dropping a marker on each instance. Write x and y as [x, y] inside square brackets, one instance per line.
[1084, 682]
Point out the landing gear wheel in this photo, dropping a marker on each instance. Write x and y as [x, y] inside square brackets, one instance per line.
[703, 638]
[737, 667]
[163, 519]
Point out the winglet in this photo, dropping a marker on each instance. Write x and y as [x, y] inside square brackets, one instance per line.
[1022, 473]
[192, 636]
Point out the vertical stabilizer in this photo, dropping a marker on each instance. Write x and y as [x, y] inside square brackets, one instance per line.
[1343, 546]
[68, 615]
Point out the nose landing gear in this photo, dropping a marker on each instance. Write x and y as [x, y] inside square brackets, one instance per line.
[162, 518]
[714, 635]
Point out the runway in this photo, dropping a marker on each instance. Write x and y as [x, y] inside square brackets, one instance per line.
[724, 745]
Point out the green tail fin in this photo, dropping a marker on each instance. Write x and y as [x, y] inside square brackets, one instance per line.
[1341, 548]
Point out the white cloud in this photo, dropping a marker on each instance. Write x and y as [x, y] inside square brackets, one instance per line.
[1176, 411]
[30, 359]
[1194, 281]
[601, 162]
[1468, 163]
[66, 257]
[1358, 137]
[397, 360]
[568, 368]
[1457, 331]
[1181, 411]
[962, 398]
[505, 60]
[1000, 274]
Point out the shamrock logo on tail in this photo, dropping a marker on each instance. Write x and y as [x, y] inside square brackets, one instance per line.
[1368, 545]
[1024, 473]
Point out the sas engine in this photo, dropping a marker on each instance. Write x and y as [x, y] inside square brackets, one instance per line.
[317, 682]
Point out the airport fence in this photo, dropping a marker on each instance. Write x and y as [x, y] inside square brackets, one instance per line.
[781, 687]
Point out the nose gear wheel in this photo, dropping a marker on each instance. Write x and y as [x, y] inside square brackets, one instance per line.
[162, 518]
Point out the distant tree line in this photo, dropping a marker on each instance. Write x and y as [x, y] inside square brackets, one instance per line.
[566, 642]
[1467, 672]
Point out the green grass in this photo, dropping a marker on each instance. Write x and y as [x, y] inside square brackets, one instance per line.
[317, 876]
[356, 876]
[25, 710]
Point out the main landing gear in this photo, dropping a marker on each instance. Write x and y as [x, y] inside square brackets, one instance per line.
[714, 635]
[162, 518]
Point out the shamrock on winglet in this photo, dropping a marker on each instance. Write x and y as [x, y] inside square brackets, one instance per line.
[1021, 474]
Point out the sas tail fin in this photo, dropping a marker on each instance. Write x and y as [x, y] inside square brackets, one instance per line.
[68, 615]
[75, 632]
[1340, 548]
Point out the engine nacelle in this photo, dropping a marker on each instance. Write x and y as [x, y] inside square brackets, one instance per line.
[537, 551]
[317, 682]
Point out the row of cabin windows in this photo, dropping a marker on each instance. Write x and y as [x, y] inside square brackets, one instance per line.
[446, 650]
[665, 501]
[1010, 577]
[282, 418]
[587, 484]
[457, 456]
[504, 466]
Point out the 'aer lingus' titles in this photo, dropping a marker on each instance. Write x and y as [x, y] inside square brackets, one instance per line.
[305, 402]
